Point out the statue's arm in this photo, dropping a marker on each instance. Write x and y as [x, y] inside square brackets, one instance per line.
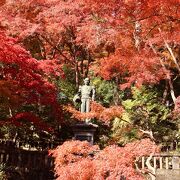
[93, 93]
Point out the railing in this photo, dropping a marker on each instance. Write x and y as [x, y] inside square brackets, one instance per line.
[42, 146]
[162, 161]
[36, 165]
[158, 162]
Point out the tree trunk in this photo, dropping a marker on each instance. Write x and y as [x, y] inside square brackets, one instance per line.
[88, 63]
[76, 73]
[171, 52]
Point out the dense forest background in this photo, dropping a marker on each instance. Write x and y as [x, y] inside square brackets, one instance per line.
[129, 49]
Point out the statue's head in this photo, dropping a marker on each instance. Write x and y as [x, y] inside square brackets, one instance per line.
[86, 81]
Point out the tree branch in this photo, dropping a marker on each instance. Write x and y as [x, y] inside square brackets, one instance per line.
[167, 76]
[54, 46]
[170, 51]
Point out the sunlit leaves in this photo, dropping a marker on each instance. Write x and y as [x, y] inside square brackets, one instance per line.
[98, 112]
[177, 107]
[26, 80]
[75, 159]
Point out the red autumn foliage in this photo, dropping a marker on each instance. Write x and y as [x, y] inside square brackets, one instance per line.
[91, 22]
[28, 76]
[97, 111]
[176, 111]
[28, 73]
[80, 160]
[20, 118]
[135, 68]
[131, 27]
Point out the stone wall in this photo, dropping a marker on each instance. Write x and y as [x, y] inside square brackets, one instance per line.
[168, 174]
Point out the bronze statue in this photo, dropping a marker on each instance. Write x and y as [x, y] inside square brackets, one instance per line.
[85, 94]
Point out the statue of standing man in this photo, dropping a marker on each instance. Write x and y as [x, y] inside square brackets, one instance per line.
[86, 93]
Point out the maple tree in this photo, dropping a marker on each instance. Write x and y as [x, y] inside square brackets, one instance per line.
[40, 21]
[75, 159]
[142, 28]
[75, 31]
[121, 45]
[129, 42]
[24, 80]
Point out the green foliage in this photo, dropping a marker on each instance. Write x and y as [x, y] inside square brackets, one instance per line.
[147, 104]
[144, 111]
[2, 173]
[67, 85]
[145, 108]
[122, 130]
[106, 91]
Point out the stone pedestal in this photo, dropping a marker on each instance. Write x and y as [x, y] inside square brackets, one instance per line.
[84, 132]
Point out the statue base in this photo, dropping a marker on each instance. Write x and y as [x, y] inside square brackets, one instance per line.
[84, 132]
